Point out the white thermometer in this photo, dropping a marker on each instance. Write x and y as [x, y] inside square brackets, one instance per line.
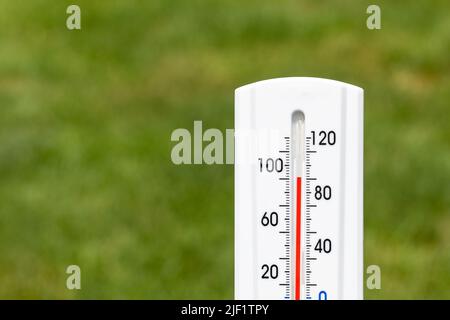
[299, 190]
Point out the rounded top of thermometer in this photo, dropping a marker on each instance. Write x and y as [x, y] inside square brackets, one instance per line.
[304, 81]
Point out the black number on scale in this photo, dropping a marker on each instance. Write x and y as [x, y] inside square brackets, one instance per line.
[323, 245]
[271, 165]
[269, 272]
[271, 219]
[324, 138]
[322, 192]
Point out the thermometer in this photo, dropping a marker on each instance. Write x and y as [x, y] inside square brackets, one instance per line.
[299, 190]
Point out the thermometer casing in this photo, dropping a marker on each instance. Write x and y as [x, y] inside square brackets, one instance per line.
[299, 190]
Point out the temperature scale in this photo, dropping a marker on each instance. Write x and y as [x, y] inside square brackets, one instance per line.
[299, 190]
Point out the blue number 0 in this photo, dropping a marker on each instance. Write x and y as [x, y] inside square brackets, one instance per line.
[322, 295]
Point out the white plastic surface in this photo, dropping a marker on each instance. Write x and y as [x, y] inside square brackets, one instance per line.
[266, 133]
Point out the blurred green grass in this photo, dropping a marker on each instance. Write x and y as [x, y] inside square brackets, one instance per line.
[86, 118]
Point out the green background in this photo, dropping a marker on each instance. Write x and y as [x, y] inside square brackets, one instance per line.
[86, 118]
